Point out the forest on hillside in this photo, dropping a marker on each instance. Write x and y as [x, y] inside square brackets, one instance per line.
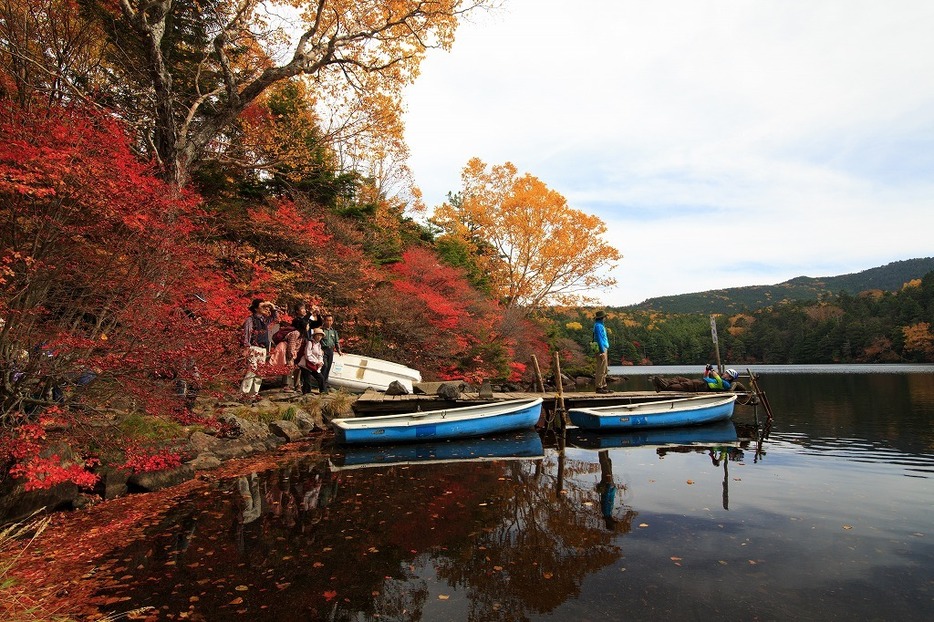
[871, 327]
[889, 277]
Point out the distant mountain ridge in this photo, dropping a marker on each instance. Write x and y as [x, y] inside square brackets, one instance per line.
[890, 277]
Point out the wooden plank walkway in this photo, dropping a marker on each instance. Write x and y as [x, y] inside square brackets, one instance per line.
[377, 403]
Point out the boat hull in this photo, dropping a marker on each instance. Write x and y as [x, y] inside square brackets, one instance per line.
[450, 423]
[719, 433]
[357, 373]
[661, 414]
[524, 444]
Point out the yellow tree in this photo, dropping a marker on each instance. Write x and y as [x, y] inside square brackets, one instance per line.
[534, 248]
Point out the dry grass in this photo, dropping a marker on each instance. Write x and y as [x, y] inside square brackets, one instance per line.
[15, 606]
[330, 406]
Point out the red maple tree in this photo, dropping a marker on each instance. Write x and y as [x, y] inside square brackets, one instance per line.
[106, 297]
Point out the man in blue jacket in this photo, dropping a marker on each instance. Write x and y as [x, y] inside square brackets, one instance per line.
[603, 345]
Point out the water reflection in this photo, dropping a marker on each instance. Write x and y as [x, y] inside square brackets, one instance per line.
[516, 529]
[615, 517]
[518, 445]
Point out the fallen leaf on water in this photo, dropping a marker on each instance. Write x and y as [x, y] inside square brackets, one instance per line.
[329, 595]
[690, 482]
[722, 562]
[236, 601]
[643, 524]
[497, 568]
[443, 597]
[241, 588]
[548, 575]
[848, 526]
[675, 559]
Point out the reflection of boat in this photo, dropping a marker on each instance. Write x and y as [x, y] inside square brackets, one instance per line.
[714, 433]
[661, 414]
[447, 423]
[523, 444]
[359, 373]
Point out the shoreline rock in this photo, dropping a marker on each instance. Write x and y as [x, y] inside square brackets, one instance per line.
[243, 436]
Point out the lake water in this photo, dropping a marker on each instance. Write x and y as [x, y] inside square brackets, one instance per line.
[829, 518]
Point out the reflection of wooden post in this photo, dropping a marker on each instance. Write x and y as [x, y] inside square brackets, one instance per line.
[538, 375]
[726, 483]
[559, 397]
[560, 481]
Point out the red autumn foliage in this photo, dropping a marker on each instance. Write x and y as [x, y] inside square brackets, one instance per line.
[443, 324]
[106, 299]
[141, 459]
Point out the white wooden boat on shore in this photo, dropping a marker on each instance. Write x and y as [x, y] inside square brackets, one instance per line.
[357, 373]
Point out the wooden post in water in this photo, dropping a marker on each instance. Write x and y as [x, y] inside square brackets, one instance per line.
[559, 397]
[538, 375]
[716, 343]
[763, 398]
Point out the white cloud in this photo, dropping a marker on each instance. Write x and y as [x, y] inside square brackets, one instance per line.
[795, 138]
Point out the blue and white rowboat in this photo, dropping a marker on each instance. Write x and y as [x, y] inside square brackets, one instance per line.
[461, 422]
[659, 414]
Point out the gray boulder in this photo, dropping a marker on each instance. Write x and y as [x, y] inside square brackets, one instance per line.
[396, 388]
[285, 429]
[449, 391]
[205, 461]
[157, 480]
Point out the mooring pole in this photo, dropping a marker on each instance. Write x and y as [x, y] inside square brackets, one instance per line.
[559, 397]
[716, 343]
[538, 375]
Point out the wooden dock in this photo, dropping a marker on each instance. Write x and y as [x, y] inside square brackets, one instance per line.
[377, 403]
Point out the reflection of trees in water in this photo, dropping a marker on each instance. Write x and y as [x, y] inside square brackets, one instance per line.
[535, 547]
[365, 543]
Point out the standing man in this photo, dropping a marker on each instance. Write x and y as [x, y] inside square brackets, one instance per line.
[255, 344]
[331, 344]
[603, 345]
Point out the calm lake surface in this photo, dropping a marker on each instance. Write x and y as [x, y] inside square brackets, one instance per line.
[829, 518]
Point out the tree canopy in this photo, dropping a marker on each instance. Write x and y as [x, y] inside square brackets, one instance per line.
[535, 248]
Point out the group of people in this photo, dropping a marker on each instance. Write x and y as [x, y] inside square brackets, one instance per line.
[306, 344]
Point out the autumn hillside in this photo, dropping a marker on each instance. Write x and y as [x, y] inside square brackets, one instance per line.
[874, 326]
[890, 277]
[162, 165]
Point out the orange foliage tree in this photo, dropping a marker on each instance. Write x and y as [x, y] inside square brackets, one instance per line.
[535, 248]
[919, 339]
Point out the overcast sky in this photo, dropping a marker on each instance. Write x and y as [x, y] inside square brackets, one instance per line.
[724, 143]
